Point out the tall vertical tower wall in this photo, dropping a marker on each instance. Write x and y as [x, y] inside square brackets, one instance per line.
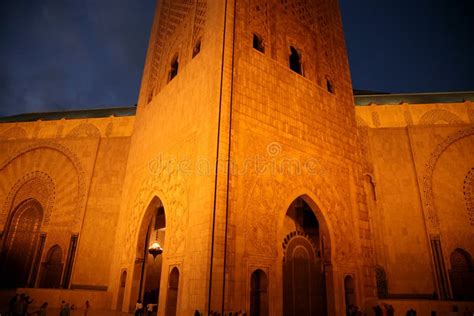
[201, 140]
[292, 137]
[173, 152]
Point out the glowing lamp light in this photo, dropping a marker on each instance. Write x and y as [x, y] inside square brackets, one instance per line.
[155, 249]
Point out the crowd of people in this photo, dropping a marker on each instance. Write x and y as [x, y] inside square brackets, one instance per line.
[19, 305]
[212, 313]
[150, 309]
[388, 310]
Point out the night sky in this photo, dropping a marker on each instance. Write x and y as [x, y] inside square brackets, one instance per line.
[71, 54]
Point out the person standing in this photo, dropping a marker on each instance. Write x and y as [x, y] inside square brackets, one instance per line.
[87, 305]
[139, 308]
[65, 310]
[26, 305]
[42, 310]
[12, 304]
[19, 305]
[149, 309]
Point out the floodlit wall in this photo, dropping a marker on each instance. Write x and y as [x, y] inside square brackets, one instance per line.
[75, 169]
[421, 158]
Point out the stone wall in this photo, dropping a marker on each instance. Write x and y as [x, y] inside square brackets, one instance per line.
[292, 137]
[75, 170]
[173, 153]
[225, 147]
[422, 157]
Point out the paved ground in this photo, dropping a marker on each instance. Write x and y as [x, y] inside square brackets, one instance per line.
[55, 312]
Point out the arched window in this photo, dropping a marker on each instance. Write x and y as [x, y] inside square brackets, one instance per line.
[174, 68]
[52, 269]
[172, 296]
[21, 240]
[329, 86]
[145, 279]
[258, 43]
[462, 275]
[304, 288]
[258, 294]
[382, 285]
[295, 61]
[349, 290]
[197, 48]
[123, 278]
[121, 292]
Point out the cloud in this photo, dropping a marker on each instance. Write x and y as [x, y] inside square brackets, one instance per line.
[72, 54]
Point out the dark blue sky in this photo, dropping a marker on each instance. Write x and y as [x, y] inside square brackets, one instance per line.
[65, 54]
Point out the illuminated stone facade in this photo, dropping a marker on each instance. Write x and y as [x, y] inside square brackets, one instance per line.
[247, 161]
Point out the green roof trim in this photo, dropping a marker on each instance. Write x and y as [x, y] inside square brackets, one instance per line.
[414, 98]
[71, 115]
[359, 100]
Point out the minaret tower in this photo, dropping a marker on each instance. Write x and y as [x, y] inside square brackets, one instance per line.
[244, 164]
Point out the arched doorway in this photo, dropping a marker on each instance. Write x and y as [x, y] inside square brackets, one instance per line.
[172, 295]
[304, 286]
[18, 251]
[462, 275]
[121, 292]
[147, 272]
[349, 292]
[52, 269]
[258, 293]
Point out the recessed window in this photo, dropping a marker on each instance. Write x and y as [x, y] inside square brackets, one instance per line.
[197, 48]
[258, 43]
[174, 68]
[259, 293]
[295, 61]
[329, 86]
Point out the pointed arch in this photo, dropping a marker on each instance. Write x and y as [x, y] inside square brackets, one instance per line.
[440, 116]
[151, 211]
[324, 225]
[121, 291]
[295, 61]
[84, 130]
[350, 292]
[173, 291]
[146, 277]
[37, 185]
[52, 268]
[462, 275]
[66, 168]
[20, 244]
[14, 133]
[259, 293]
[430, 209]
[304, 280]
